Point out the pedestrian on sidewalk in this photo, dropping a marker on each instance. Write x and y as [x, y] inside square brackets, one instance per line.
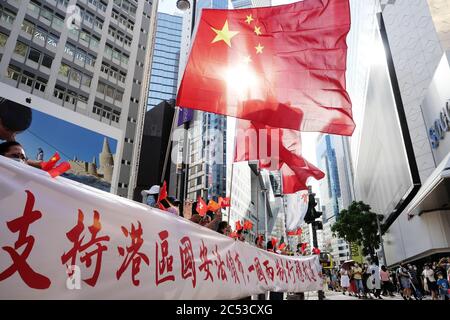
[403, 277]
[386, 285]
[345, 280]
[444, 289]
[430, 281]
[374, 270]
[357, 275]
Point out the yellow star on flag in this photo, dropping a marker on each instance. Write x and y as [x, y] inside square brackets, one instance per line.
[259, 48]
[247, 59]
[249, 19]
[225, 34]
[258, 30]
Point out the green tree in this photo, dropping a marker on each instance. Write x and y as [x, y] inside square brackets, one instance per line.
[358, 224]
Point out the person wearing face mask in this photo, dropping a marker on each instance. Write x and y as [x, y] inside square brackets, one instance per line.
[13, 150]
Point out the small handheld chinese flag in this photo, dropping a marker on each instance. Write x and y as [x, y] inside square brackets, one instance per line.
[304, 245]
[163, 192]
[274, 242]
[316, 250]
[238, 225]
[248, 225]
[47, 165]
[213, 206]
[201, 208]
[224, 202]
[282, 246]
[59, 169]
[233, 235]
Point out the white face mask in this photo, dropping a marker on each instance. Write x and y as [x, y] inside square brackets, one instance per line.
[18, 160]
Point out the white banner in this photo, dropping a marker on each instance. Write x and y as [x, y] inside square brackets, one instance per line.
[64, 240]
[296, 206]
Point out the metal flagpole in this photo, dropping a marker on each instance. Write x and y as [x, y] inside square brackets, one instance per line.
[231, 192]
[266, 235]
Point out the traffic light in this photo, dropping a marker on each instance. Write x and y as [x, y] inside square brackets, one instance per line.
[317, 225]
[312, 214]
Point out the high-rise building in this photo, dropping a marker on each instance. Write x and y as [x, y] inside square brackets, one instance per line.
[336, 189]
[398, 80]
[166, 54]
[85, 62]
[250, 3]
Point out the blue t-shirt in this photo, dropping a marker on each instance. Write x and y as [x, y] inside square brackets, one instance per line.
[443, 284]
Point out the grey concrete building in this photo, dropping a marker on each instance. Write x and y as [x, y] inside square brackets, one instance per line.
[85, 62]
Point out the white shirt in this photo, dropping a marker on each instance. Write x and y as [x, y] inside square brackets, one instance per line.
[429, 274]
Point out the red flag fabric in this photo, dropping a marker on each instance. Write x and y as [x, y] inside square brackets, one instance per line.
[316, 250]
[283, 66]
[274, 242]
[282, 246]
[59, 169]
[248, 225]
[201, 208]
[303, 248]
[163, 192]
[253, 142]
[224, 202]
[213, 206]
[47, 165]
[297, 232]
[238, 225]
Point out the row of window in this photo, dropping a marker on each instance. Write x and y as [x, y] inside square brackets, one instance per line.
[119, 36]
[75, 75]
[110, 91]
[170, 24]
[100, 5]
[31, 54]
[6, 16]
[164, 42]
[69, 97]
[78, 55]
[167, 49]
[91, 40]
[106, 112]
[167, 55]
[113, 72]
[167, 62]
[38, 33]
[161, 95]
[26, 78]
[126, 6]
[154, 87]
[122, 20]
[168, 37]
[111, 52]
[90, 18]
[164, 81]
[46, 14]
[162, 73]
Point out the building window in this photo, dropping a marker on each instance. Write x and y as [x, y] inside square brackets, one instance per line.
[52, 40]
[34, 55]
[87, 80]
[64, 69]
[47, 14]
[7, 16]
[75, 76]
[28, 27]
[21, 49]
[13, 72]
[47, 61]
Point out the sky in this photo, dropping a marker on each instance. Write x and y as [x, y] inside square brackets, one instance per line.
[308, 138]
[52, 134]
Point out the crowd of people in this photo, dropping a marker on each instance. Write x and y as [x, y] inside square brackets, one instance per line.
[370, 281]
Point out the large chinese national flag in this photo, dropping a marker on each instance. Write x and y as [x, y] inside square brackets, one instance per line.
[283, 66]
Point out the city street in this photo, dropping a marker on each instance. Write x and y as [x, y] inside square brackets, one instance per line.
[332, 295]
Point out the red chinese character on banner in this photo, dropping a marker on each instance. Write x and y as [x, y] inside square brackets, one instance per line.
[311, 271]
[133, 254]
[281, 273]
[165, 264]
[187, 260]
[221, 273]
[306, 272]
[290, 270]
[269, 270]
[19, 261]
[204, 266]
[240, 267]
[298, 271]
[259, 272]
[232, 268]
[74, 236]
